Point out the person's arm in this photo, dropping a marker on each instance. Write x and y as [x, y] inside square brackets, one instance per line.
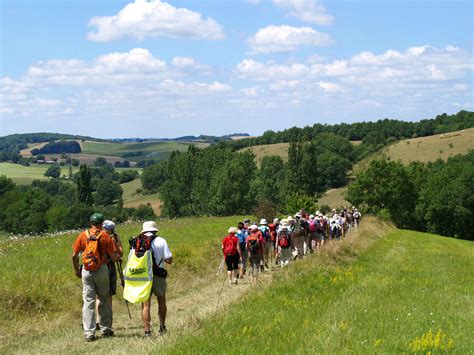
[239, 250]
[118, 245]
[75, 264]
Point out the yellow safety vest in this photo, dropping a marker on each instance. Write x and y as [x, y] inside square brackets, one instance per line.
[138, 277]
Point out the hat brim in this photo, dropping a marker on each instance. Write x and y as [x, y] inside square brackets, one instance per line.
[149, 230]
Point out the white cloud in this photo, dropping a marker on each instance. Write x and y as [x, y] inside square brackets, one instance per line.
[252, 69]
[218, 87]
[153, 18]
[286, 38]
[48, 102]
[311, 11]
[329, 86]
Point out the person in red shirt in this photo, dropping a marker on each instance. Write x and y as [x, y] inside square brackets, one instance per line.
[96, 247]
[254, 245]
[232, 254]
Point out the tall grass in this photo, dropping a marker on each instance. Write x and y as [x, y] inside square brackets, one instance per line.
[40, 291]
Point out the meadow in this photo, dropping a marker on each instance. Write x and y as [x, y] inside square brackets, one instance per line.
[334, 198]
[24, 175]
[379, 290]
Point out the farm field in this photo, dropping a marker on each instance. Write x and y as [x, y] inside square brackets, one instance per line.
[151, 150]
[425, 149]
[376, 291]
[24, 175]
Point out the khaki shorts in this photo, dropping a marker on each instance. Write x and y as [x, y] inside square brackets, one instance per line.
[159, 286]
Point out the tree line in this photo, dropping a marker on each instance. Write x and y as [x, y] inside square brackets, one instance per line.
[437, 197]
[58, 148]
[221, 181]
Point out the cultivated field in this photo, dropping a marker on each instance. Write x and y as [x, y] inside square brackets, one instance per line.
[132, 198]
[381, 290]
[425, 149]
[260, 151]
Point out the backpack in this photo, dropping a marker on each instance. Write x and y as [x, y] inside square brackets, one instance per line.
[141, 244]
[313, 225]
[253, 244]
[297, 228]
[322, 223]
[91, 255]
[265, 232]
[229, 247]
[241, 234]
[284, 241]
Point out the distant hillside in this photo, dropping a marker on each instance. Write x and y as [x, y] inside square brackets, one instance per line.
[425, 149]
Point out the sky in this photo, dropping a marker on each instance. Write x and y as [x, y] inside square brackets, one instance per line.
[155, 68]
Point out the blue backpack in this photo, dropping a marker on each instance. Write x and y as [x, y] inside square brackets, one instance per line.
[265, 232]
[242, 235]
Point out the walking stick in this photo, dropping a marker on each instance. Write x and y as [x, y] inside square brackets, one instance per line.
[219, 269]
[119, 264]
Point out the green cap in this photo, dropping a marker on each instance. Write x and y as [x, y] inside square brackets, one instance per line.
[97, 218]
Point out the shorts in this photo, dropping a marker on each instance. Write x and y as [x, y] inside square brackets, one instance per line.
[232, 262]
[112, 278]
[254, 260]
[159, 286]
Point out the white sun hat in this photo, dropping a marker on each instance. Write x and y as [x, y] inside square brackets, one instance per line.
[232, 230]
[263, 221]
[149, 226]
[253, 227]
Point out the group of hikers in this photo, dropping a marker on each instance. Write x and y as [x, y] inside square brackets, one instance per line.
[282, 240]
[98, 249]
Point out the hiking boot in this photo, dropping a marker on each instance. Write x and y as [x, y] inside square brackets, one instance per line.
[97, 326]
[262, 268]
[108, 333]
[90, 339]
[163, 329]
[266, 265]
[295, 257]
[147, 334]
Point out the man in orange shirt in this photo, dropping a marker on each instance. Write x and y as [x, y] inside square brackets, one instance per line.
[96, 247]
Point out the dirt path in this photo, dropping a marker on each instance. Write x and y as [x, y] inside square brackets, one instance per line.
[185, 314]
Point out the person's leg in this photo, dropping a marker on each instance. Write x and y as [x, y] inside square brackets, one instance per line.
[88, 304]
[101, 278]
[228, 263]
[162, 310]
[146, 315]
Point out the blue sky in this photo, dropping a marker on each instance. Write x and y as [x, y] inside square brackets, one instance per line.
[162, 69]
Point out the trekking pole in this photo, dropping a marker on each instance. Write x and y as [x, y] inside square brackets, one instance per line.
[220, 292]
[119, 264]
[219, 269]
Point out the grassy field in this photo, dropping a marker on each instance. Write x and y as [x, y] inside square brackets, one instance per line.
[425, 149]
[380, 290]
[24, 175]
[334, 198]
[131, 198]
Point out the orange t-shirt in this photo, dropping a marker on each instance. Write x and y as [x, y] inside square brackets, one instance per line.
[106, 244]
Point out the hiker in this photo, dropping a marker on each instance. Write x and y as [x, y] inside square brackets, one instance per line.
[254, 245]
[109, 228]
[96, 247]
[283, 242]
[232, 254]
[320, 233]
[312, 234]
[357, 217]
[267, 240]
[298, 231]
[335, 228]
[161, 255]
[242, 234]
[273, 227]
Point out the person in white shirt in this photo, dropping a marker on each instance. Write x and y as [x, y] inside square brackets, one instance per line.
[161, 255]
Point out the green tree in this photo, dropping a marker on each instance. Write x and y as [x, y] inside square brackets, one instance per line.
[107, 192]
[84, 187]
[53, 171]
[6, 184]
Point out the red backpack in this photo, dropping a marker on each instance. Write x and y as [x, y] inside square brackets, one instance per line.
[229, 247]
[284, 240]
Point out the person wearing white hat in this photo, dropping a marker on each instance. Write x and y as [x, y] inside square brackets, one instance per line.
[283, 243]
[161, 256]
